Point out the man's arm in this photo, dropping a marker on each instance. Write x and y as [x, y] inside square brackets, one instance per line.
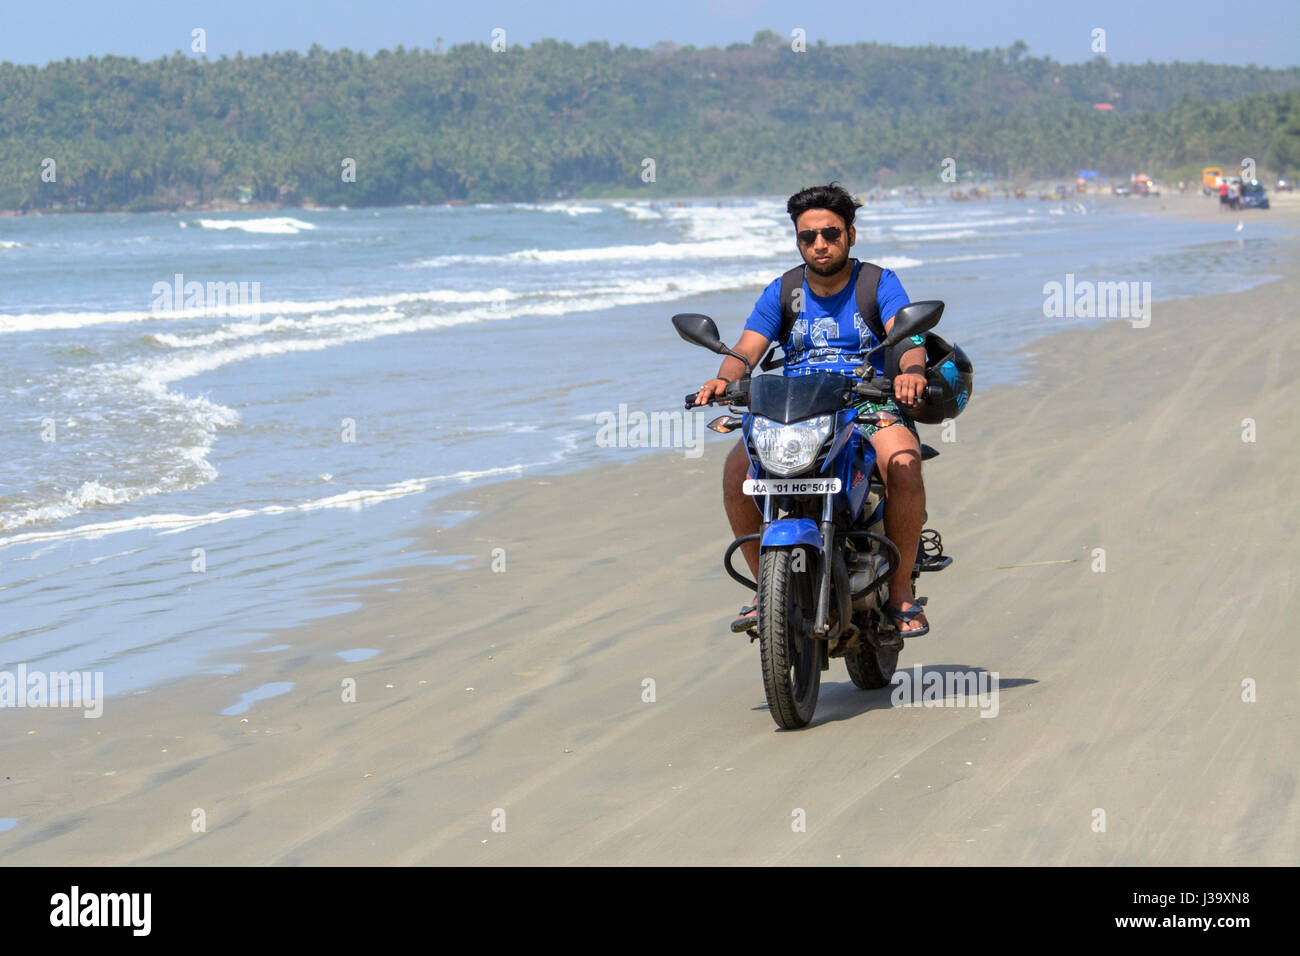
[752, 345]
[910, 382]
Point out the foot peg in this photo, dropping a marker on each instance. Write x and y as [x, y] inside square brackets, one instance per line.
[929, 555]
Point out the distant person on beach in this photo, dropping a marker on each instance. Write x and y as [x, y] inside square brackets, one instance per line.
[1223, 195]
[1234, 196]
[831, 336]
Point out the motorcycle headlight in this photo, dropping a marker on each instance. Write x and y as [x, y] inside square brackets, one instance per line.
[788, 449]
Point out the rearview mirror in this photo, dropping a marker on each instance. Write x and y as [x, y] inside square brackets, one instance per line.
[914, 319]
[699, 330]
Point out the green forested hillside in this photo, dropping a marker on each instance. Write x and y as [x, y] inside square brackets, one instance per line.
[554, 119]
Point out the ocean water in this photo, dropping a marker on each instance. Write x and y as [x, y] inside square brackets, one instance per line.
[186, 470]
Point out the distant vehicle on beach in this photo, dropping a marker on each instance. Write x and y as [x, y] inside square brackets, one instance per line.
[1285, 185]
[1211, 176]
[1253, 195]
[1144, 185]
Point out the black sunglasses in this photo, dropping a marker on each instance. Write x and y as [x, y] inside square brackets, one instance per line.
[830, 234]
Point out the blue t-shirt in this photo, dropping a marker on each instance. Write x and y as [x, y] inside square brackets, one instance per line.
[830, 335]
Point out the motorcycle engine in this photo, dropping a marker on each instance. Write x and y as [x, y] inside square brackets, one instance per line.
[867, 567]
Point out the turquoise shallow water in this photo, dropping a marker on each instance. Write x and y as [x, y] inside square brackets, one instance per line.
[184, 473]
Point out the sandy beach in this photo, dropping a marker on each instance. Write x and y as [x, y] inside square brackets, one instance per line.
[507, 720]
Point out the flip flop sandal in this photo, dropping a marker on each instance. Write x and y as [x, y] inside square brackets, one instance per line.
[743, 623]
[905, 617]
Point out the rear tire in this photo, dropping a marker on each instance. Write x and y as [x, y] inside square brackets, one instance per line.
[869, 668]
[791, 659]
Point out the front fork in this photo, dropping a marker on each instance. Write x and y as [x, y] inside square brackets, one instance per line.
[827, 527]
[828, 561]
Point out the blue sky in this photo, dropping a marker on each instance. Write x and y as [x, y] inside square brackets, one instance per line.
[1263, 32]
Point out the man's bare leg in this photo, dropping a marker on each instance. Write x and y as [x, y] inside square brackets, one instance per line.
[898, 453]
[741, 510]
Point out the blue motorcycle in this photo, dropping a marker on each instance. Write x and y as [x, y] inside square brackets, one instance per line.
[825, 561]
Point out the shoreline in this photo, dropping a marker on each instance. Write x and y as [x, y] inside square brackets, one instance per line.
[441, 504]
[324, 599]
[929, 194]
[524, 690]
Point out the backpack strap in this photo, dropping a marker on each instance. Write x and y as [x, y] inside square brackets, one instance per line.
[791, 290]
[868, 306]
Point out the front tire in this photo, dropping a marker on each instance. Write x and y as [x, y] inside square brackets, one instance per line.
[791, 659]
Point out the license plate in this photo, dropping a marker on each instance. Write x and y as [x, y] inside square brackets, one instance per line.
[791, 486]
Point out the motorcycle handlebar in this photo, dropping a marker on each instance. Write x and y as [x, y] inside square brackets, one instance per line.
[877, 390]
[882, 390]
[736, 393]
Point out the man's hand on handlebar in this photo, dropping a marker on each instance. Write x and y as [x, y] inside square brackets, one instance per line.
[909, 388]
[909, 383]
[711, 390]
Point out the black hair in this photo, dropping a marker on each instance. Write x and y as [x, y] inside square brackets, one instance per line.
[832, 196]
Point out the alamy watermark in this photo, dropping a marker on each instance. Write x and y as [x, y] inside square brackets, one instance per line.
[129, 910]
[659, 429]
[24, 688]
[952, 688]
[234, 298]
[1085, 299]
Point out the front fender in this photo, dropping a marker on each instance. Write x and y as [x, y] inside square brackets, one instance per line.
[792, 531]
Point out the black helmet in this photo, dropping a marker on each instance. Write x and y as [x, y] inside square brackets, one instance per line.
[946, 368]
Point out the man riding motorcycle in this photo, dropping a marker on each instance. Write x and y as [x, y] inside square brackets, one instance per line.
[831, 335]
